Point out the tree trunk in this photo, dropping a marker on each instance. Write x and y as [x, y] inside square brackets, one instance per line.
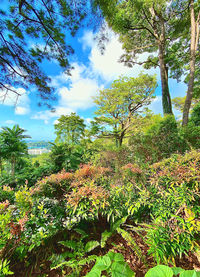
[13, 167]
[193, 48]
[1, 165]
[121, 137]
[166, 99]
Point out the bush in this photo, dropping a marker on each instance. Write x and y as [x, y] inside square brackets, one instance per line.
[195, 115]
[159, 141]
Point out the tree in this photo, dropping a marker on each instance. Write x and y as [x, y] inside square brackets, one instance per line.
[179, 102]
[194, 43]
[13, 145]
[146, 26]
[70, 129]
[195, 115]
[31, 31]
[58, 155]
[118, 104]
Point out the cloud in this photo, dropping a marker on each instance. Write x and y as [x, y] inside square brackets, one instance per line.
[10, 122]
[47, 115]
[74, 93]
[79, 95]
[107, 65]
[21, 103]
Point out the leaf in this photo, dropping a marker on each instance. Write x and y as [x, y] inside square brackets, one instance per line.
[70, 244]
[121, 269]
[177, 270]
[94, 273]
[103, 263]
[118, 223]
[104, 236]
[90, 245]
[160, 271]
[190, 273]
[117, 257]
[81, 232]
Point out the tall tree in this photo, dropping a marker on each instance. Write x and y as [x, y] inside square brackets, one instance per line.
[118, 104]
[145, 26]
[13, 144]
[31, 31]
[194, 44]
[179, 102]
[70, 129]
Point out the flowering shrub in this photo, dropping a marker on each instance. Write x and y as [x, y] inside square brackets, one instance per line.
[87, 200]
[54, 185]
[177, 169]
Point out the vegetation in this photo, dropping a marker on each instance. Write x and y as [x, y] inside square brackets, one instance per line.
[131, 208]
[119, 196]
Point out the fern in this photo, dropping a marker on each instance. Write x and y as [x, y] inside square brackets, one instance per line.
[104, 237]
[90, 245]
[131, 242]
[72, 244]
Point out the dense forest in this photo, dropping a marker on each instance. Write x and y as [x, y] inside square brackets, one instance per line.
[118, 196]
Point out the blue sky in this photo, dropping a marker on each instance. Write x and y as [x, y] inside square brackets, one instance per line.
[92, 72]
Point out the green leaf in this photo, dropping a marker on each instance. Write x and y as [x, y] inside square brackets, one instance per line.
[121, 269]
[160, 271]
[103, 263]
[104, 236]
[117, 257]
[94, 273]
[177, 270]
[90, 245]
[118, 223]
[70, 244]
[189, 273]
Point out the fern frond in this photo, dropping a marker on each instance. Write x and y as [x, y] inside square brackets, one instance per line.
[72, 244]
[131, 242]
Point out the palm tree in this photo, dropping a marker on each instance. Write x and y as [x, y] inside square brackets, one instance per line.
[13, 144]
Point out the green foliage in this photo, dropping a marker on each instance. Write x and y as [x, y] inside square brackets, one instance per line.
[179, 102]
[6, 193]
[76, 254]
[118, 105]
[159, 141]
[70, 129]
[13, 145]
[191, 134]
[113, 263]
[45, 25]
[4, 268]
[195, 115]
[165, 271]
[160, 204]
[23, 199]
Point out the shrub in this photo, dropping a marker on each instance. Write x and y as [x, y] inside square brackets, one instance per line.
[195, 115]
[159, 141]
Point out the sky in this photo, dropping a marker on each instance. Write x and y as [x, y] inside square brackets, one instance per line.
[92, 72]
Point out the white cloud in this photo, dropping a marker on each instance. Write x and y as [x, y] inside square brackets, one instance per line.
[79, 95]
[47, 115]
[10, 122]
[107, 65]
[74, 92]
[21, 103]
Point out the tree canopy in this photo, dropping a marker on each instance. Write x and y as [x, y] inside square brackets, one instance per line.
[31, 31]
[125, 97]
[13, 145]
[167, 30]
[70, 128]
